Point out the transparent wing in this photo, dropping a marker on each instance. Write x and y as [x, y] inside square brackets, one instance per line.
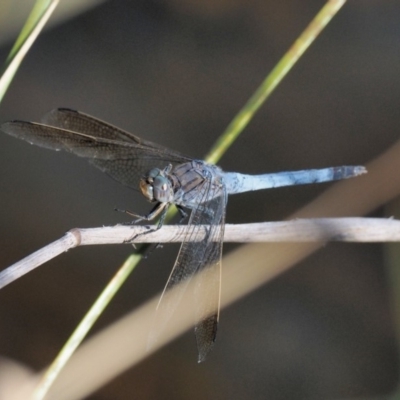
[208, 290]
[122, 155]
[80, 122]
[194, 257]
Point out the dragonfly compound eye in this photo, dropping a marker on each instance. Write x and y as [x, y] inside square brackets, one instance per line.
[153, 173]
[147, 184]
[146, 187]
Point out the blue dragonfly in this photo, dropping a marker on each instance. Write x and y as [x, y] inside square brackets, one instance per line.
[166, 177]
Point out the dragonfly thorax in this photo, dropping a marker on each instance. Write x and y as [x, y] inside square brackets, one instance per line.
[156, 186]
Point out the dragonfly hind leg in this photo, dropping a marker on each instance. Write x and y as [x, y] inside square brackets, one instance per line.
[182, 213]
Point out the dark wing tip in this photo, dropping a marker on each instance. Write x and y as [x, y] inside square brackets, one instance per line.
[206, 333]
[61, 109]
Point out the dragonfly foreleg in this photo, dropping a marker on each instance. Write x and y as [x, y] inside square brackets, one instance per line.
[131, 214]
[160, 208]
[157, 209]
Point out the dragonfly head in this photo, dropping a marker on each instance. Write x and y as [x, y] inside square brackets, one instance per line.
[155, 186]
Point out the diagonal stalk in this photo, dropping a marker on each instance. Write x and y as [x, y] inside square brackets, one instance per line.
[222, 144]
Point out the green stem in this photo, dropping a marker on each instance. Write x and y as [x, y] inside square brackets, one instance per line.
[84, 326]
[273, 79]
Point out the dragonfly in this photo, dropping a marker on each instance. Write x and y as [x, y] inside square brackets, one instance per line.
[167, 177]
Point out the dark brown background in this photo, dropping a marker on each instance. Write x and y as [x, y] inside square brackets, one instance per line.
[176, 72]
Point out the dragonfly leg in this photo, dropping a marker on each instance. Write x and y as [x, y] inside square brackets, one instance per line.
[162, 217]
[182, 213]
[207, 211]
[157, 209]
[160, 208]
[131, 214]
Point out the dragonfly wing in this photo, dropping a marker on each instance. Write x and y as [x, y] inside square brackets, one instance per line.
[80, 122]
[208, 288]
[194, 257]
[126, 160]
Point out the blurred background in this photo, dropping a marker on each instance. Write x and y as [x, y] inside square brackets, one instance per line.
[176, 72]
